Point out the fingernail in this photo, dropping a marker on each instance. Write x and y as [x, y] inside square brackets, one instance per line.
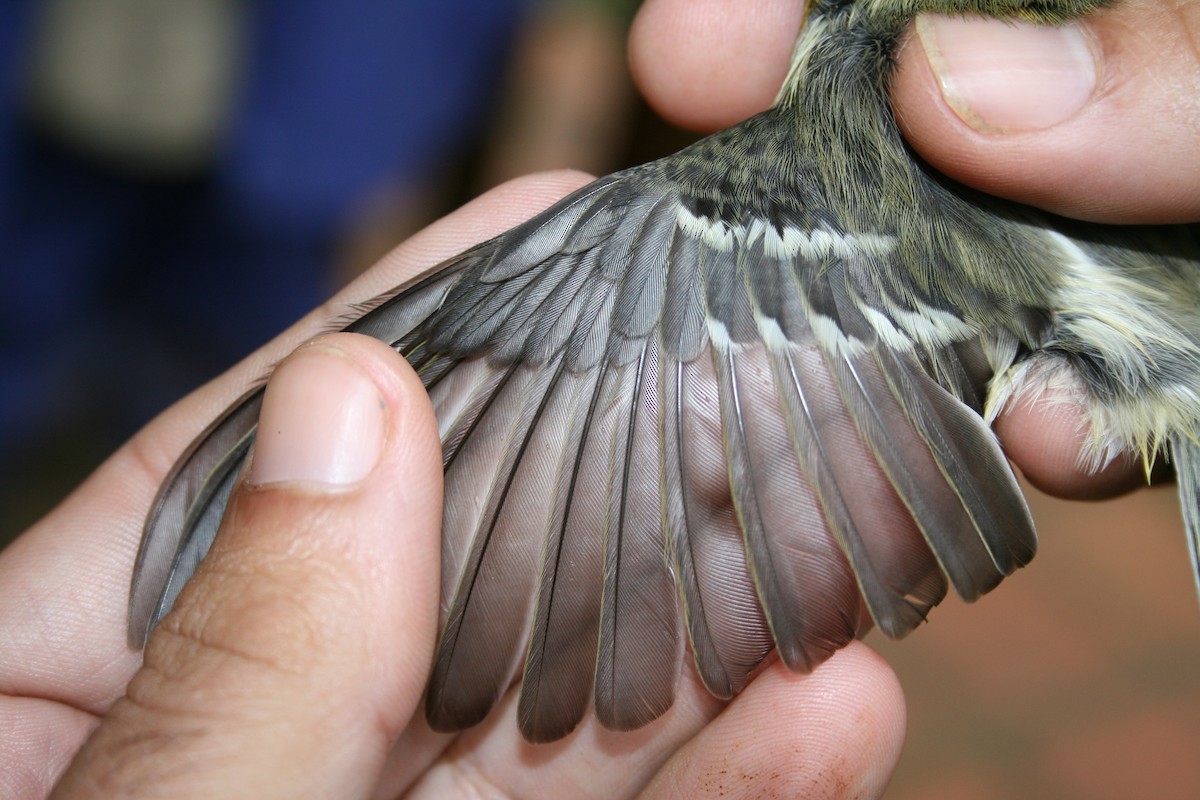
[323, 421]
[1002, 77]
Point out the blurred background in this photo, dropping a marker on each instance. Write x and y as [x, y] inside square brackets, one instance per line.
[181, 179]
[1077, 679]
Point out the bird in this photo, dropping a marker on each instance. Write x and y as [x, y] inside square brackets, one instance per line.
[737, 400]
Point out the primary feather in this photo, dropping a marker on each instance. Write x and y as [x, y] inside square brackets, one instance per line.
[734, 397]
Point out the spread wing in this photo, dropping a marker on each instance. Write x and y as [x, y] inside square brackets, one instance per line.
[749, 430]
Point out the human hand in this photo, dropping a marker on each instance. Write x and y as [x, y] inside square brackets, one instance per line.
[1096, 121]
[294, 662]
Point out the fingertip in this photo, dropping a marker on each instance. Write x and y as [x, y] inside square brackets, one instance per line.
[1050, 441]
[340, 409]
[1018, 164]
[835, 733]
[413, 426]
[1009, 76]
[540, 188]
[708, 64]
[322, 422]
[861, 685]
[1123, 156]
[851, 715]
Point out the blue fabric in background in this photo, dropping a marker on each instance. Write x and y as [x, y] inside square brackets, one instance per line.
[122, 292]
[350, 91]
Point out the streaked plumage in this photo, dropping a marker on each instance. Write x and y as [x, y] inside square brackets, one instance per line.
[737, 398]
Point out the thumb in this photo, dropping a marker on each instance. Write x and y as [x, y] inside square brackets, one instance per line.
[300, 648]
[1095, 119]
